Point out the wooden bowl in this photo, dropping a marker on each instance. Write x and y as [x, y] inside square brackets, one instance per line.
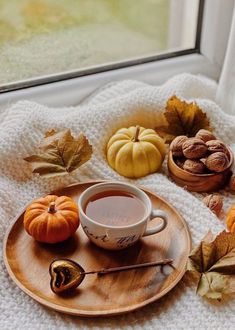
[199, 182]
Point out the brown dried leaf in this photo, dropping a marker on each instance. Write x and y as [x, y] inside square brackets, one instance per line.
[50, 133]
[214, 261]
[212, 285]
[181, 118]
[60, 153]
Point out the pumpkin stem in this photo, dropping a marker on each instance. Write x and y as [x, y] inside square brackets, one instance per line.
[51, 208]
[137, 134]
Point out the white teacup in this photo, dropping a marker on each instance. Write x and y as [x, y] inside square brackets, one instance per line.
[115, 237]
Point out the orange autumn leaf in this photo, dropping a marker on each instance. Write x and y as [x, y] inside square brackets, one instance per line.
[181, 118]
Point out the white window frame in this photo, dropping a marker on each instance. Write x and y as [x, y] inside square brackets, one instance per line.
[217, 18]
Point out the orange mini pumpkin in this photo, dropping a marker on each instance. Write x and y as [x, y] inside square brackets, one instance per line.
[51, 219]
[231, 219]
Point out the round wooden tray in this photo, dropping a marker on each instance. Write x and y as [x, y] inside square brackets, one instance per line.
[27, 262]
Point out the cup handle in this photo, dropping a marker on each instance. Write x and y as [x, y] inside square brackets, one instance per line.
[161, 226]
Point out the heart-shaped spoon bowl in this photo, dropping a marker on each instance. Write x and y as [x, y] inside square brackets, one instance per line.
[65, 275]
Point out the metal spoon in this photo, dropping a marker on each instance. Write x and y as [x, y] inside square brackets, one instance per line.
[67, 274]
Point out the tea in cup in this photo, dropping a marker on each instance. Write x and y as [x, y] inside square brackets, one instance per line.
[115, 215]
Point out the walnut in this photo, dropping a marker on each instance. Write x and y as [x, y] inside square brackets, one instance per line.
[216, 146]
[214, 202]
[194, 166]
[205, 135]
[217, 162]
[180, 162]
[176, 145]
[232, 183]
[194, 148]
[203, 160]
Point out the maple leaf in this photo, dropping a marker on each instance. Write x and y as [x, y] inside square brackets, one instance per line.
[214, 261]
[181, 118]
[60, 153]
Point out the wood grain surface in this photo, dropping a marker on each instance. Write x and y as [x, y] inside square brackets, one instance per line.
[199, 182]
[28, 261]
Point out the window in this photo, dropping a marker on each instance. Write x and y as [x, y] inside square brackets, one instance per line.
[195, 45]
[49, 40]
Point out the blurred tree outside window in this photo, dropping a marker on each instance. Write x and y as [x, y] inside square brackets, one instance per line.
[44, 37]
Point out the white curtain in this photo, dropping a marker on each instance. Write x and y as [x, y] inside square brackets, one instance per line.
[226, 88]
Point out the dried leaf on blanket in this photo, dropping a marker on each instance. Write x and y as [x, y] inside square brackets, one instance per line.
[214, 261]
[60, 153]
[181, 118]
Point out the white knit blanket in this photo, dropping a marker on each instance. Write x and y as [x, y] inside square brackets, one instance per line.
[121, 104]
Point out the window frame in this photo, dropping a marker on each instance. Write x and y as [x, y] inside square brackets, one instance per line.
[206, 59]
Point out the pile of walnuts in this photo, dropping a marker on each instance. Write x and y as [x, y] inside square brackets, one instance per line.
[202, 154]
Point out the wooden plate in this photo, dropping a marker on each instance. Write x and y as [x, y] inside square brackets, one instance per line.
[27, 262]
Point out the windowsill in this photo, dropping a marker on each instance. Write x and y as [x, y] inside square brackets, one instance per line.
[72, 91]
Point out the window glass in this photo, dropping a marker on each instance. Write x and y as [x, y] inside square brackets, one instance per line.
[46, 37]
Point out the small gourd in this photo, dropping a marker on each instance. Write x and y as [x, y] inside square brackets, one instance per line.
[51, 219]
[135, 151]
[230, 221]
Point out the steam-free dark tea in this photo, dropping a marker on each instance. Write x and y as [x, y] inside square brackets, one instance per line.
[115, 208]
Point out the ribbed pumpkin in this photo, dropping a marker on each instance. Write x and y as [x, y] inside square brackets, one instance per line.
[135, 151]
[51, 219]
[231, 219]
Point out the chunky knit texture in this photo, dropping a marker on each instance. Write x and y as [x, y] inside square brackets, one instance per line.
[120, 104]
